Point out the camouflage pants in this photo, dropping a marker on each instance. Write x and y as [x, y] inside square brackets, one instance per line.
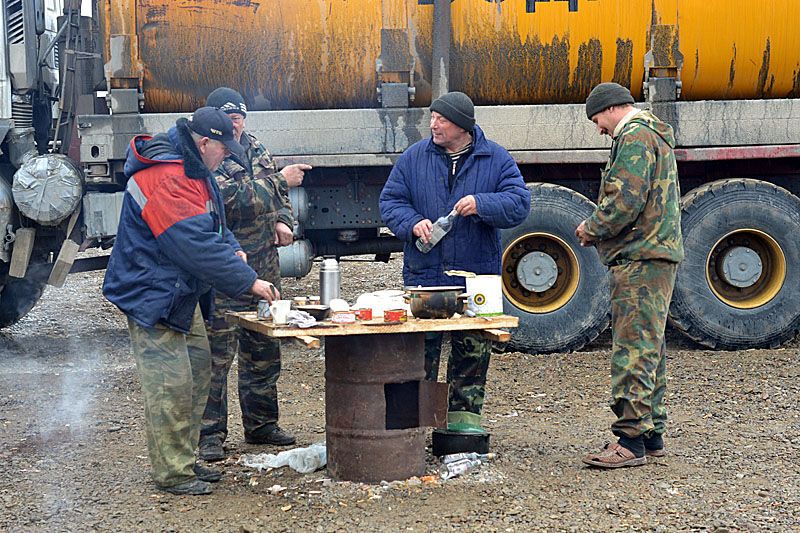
[175, 371]
[259, 368]
[640, 296]
[466, 371]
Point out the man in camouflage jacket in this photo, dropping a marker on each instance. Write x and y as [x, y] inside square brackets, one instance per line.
[636, 228]
[258, 212]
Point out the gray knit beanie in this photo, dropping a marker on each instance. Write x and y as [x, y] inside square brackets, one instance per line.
[606, 95]
[457, 108]
[227, 100]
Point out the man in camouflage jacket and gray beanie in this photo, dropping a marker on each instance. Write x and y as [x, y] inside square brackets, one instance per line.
[636, 228]
[258, 212]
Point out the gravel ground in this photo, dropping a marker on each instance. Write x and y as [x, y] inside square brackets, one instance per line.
[73, 453]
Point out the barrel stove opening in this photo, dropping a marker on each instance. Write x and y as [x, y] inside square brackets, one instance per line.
[402, 405]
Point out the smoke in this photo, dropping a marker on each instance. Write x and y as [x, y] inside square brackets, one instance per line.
[73, 396]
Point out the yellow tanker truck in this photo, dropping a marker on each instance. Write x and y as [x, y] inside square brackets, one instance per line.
[345, 85]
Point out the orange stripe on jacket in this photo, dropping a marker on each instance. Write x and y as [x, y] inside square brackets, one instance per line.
[171, 196]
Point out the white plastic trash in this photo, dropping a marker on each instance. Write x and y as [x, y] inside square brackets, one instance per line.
[303, 460]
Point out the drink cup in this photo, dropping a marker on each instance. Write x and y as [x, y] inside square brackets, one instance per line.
[280, 311]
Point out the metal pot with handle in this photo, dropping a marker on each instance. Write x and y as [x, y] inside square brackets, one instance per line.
[436, 302]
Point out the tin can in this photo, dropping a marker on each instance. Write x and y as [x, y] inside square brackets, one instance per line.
[343, 317]
[395, 315]
[262, 313]
[364, 314]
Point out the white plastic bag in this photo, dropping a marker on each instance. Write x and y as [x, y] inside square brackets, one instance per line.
[303, 460]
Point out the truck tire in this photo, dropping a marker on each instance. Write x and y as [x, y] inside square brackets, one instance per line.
[19, 295]
[557, 288]
[738, 287]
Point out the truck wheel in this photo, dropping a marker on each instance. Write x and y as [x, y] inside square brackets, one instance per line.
[738, 286]
[19, 295]
[558, 289]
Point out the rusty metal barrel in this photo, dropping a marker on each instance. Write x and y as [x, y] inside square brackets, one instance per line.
[330, 54]
[372, 406]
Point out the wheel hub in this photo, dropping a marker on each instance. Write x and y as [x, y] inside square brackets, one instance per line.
[537, 272]
[540, 272]
[746, 269]
[741, 266]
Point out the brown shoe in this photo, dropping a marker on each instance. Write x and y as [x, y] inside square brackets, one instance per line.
[613, 455]
[658, 452]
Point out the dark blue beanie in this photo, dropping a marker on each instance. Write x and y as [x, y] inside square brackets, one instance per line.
[227, 100]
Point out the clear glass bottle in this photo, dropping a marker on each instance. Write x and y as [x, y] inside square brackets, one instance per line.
[439, 230]
[457, 468]
[453, 457]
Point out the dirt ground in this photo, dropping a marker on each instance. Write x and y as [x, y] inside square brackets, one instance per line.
[73, 454]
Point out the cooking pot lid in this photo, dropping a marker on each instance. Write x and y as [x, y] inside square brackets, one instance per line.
[436, 289]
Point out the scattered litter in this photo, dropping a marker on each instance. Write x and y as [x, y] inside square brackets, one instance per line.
[457, 468]
[303, 460]
[300, 319]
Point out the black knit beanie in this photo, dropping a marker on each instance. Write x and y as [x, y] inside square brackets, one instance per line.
[457, 108]
[227, 100]
[606, 95]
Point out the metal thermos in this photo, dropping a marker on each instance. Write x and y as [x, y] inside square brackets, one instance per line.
[329, 281]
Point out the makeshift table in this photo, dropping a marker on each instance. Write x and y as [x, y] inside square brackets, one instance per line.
[377, 402]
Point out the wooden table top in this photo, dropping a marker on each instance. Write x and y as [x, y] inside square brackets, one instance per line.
[248, 320]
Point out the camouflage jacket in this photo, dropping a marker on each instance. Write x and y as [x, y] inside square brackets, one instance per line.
[638, 214]
[254, 203]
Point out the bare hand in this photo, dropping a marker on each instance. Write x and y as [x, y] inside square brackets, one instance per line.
[422, 229]
[466, 206]
[583, 237]
[293, 174]
[283, 234]
[240, 254]
[265, 290]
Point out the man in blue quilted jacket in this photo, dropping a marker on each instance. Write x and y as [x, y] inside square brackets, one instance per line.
[457, 168]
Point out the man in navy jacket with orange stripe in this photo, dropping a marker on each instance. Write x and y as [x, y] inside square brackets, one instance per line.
[172, 250]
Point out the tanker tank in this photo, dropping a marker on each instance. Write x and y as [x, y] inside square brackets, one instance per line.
[325, 54]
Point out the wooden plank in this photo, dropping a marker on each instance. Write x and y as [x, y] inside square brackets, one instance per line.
[63, 264]
[23, 246]
[497, 335]
[308, 342]
[248, 320]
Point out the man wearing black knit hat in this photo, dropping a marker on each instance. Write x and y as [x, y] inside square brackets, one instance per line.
[259, 214]
[458, 169]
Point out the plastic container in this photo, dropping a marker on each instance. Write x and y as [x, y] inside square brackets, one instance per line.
[486, 295]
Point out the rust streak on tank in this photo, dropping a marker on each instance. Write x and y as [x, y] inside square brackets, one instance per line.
[761, 88]
[732, 73]
[623, 64]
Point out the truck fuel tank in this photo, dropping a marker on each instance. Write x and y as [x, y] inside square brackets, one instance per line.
[323, 54]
